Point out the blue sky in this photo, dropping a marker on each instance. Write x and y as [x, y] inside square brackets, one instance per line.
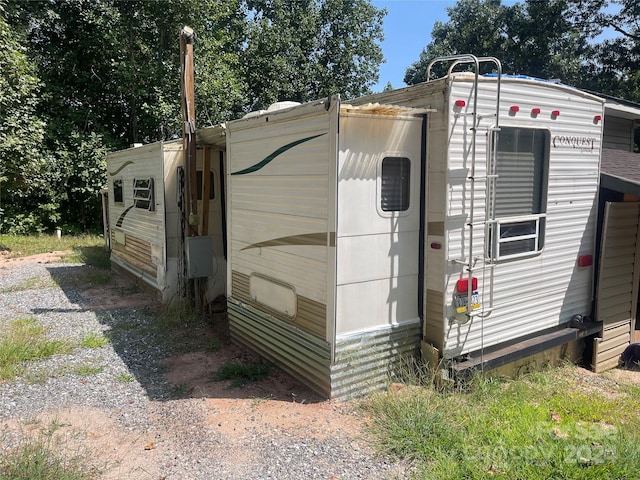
[407, 30]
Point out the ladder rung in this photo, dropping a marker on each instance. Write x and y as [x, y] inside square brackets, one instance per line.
[483, 177]
[479, 312]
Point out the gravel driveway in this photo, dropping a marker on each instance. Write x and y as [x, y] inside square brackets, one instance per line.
[144, 406]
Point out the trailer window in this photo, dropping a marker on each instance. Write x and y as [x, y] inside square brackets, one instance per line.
[395, 183]
[118, 196]
[522, 165]
[143, 196]
[211, 185]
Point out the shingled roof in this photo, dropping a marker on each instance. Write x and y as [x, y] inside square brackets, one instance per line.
[620, 171]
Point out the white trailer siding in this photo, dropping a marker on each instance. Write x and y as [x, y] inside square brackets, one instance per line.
[322, 281]
[377, 251]
[279, 228]
[137, 234]
[147, 242]
[543, 290]
[530, 293]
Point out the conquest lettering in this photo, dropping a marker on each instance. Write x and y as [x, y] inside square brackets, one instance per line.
[573, 142]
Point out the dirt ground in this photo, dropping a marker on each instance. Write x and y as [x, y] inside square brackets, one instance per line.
[277, 404]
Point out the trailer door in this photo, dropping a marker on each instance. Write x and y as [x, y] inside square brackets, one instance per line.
[617, 290]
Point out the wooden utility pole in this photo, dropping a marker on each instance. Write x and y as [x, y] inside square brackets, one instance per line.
[187, 39]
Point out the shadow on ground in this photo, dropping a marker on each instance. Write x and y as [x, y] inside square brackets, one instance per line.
[172, 352]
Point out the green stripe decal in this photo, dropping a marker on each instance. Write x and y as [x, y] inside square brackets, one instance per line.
[312, 239]
[269, 158]
[122, 167]
[121, 218]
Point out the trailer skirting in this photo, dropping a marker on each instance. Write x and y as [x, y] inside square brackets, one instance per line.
[362, 362]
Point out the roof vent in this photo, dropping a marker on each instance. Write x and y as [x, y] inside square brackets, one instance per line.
[281, 106]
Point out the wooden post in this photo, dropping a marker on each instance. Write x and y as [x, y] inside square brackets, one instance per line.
[187, 39]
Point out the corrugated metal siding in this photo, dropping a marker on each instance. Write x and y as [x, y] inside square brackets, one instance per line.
[364, 362]
[617, 283]
[305, 357]
[538, 292]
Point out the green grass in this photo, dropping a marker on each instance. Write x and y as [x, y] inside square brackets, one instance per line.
[124, 378]
[241, 373]
[22, 341]
[87, 249]
[180, 390]
[41, 459]
[34, 283]
[94, 340]
[540, 426]
[177, 316]
[87, 370]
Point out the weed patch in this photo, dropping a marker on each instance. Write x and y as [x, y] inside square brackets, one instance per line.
[94, 340]
[35, 283]
[240, 373]
[41, 458]
[25, 340]
[87, 370]
[124, 378]
[535, 427]
[94, 255]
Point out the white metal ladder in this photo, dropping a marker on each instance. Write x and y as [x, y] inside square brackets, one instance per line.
[489, 179]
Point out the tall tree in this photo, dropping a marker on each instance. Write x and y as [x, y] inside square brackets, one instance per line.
[110, 74]
[535, 38]
[615, 66]
[306, 49]
[24, 190]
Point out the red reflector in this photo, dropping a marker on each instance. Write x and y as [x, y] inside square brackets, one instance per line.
[514, 108]
[555, 113]
[436, 246]
[460, 103]
[536, 111]
[597, 118]
[463, 284]
[585, 260]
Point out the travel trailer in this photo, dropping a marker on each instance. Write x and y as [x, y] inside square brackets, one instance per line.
[145, 221]
[457, 215]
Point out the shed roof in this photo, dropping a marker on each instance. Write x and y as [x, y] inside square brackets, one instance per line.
[620, 171]
[619, 107]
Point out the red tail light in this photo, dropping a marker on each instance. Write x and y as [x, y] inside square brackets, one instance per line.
[462, 285]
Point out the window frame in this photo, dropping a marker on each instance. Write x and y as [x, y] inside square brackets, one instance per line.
[404, 194]
[500, 238]
[120, 188]
[139, 200]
